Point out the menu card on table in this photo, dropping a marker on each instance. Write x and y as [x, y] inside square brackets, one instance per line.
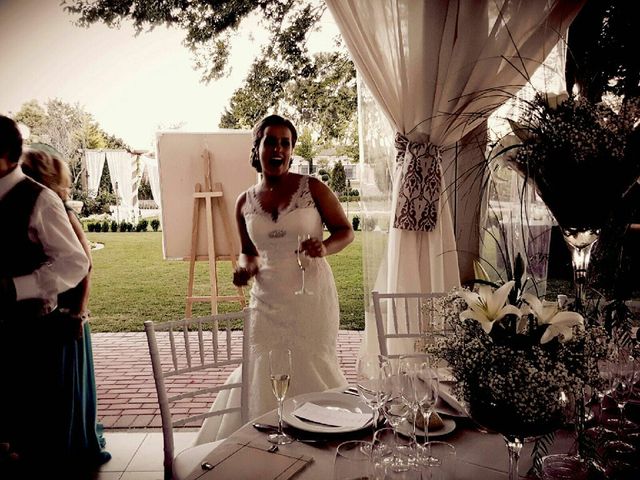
[249, 461]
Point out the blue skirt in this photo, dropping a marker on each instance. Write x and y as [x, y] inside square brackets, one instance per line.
[83, 440]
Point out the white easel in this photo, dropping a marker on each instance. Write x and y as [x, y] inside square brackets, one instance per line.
[210, 198]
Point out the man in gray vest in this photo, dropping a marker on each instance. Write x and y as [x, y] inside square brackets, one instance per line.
[40, 257]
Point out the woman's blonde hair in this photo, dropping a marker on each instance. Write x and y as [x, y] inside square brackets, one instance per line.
[48, 170]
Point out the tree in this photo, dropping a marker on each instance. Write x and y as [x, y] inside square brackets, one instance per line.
[318, 91]
[211, 25]
[306, 147]
[602, 50]
[338, 181]
[67, 128]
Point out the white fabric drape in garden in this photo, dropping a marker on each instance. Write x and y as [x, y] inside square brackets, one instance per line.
[429, 65]
[123, 168]
[151, 164]
[94, 160]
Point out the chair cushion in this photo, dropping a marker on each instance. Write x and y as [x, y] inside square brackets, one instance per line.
[188, 461]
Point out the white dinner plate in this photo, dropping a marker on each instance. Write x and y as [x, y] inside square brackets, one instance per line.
[448, 427]
[333, 400]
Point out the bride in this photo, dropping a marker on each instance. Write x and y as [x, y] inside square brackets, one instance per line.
[271, 216]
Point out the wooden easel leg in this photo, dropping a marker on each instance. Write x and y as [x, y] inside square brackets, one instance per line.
[211, 249]
[194, 254]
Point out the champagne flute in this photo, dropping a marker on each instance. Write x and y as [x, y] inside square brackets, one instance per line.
[303, 262]
[370, 379]
[396, 412]
[280, 373]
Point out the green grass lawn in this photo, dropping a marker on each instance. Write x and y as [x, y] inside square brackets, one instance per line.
[132, 283]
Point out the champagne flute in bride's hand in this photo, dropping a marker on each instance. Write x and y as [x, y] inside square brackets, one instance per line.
[303, 262]
[280, 373]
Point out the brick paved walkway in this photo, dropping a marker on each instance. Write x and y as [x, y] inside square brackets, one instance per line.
[126, 392]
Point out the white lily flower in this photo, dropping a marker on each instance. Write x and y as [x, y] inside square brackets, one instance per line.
[487, 307]
[560, 322]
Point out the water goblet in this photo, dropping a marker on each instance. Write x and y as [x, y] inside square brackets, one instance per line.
[443, 465]
[303, 263]
[280, 374]
[389, 456]
[353, 461]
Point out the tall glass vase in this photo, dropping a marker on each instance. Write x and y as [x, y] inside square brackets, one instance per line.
[580, 242]
[502, 417]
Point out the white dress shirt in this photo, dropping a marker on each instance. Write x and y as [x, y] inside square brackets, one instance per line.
[49, 226]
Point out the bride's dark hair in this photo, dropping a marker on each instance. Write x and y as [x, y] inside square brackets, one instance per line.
[258, 133]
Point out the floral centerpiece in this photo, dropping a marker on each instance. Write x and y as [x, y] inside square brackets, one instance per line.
[581, 158]
[517, 360]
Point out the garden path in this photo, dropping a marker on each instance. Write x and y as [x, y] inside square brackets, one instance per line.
[126, 391]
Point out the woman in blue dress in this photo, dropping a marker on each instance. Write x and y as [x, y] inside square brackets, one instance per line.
[78, 440]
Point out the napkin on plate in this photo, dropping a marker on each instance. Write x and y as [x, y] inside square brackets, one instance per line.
[331, 416]
[449, 405]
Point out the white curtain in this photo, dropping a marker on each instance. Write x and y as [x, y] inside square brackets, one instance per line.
[151, 164]
[436, 69]
[94, 160]
[124, 180]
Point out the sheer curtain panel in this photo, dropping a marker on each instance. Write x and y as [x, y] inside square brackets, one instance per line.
[437, 69]
[94, 160]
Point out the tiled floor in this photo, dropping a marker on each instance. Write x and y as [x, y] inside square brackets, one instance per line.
[137, 454]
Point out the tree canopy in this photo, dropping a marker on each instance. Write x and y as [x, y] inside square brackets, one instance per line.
[67, 128]
[313, 90]
[602, 50]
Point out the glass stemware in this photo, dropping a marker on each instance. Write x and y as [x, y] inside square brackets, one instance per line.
[370, 377]
[420, 391]
[622, 369]
[280, 374]
[303, 262]
[353, 461]
[396, 412]
[580, 242]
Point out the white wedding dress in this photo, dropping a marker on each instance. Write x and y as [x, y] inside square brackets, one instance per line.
[305, 324]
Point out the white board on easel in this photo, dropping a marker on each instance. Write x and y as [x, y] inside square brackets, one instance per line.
[180, 163]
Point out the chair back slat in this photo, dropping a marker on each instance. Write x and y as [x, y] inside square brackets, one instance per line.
[200, 344]
[402, 319]
[174, 354]
[175, 361]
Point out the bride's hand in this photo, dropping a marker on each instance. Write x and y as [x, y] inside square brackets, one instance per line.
[313, 247]
[242, 275]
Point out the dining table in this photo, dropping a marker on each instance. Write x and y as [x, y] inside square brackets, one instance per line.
[479, 454]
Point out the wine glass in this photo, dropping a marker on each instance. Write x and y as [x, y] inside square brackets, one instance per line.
[303, 262]
[622, 381]
[280, 374]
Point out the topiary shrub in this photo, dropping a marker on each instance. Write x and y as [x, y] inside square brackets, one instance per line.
[114, 226]
[142, 225]
[155, 224]
[105, 226]
[355, 222]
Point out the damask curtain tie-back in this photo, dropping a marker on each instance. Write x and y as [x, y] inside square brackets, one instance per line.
[417, 207]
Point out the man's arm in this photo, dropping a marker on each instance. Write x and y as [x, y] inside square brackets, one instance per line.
[66, 264]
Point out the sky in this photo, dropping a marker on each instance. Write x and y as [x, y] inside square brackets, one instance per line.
[132, 85]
